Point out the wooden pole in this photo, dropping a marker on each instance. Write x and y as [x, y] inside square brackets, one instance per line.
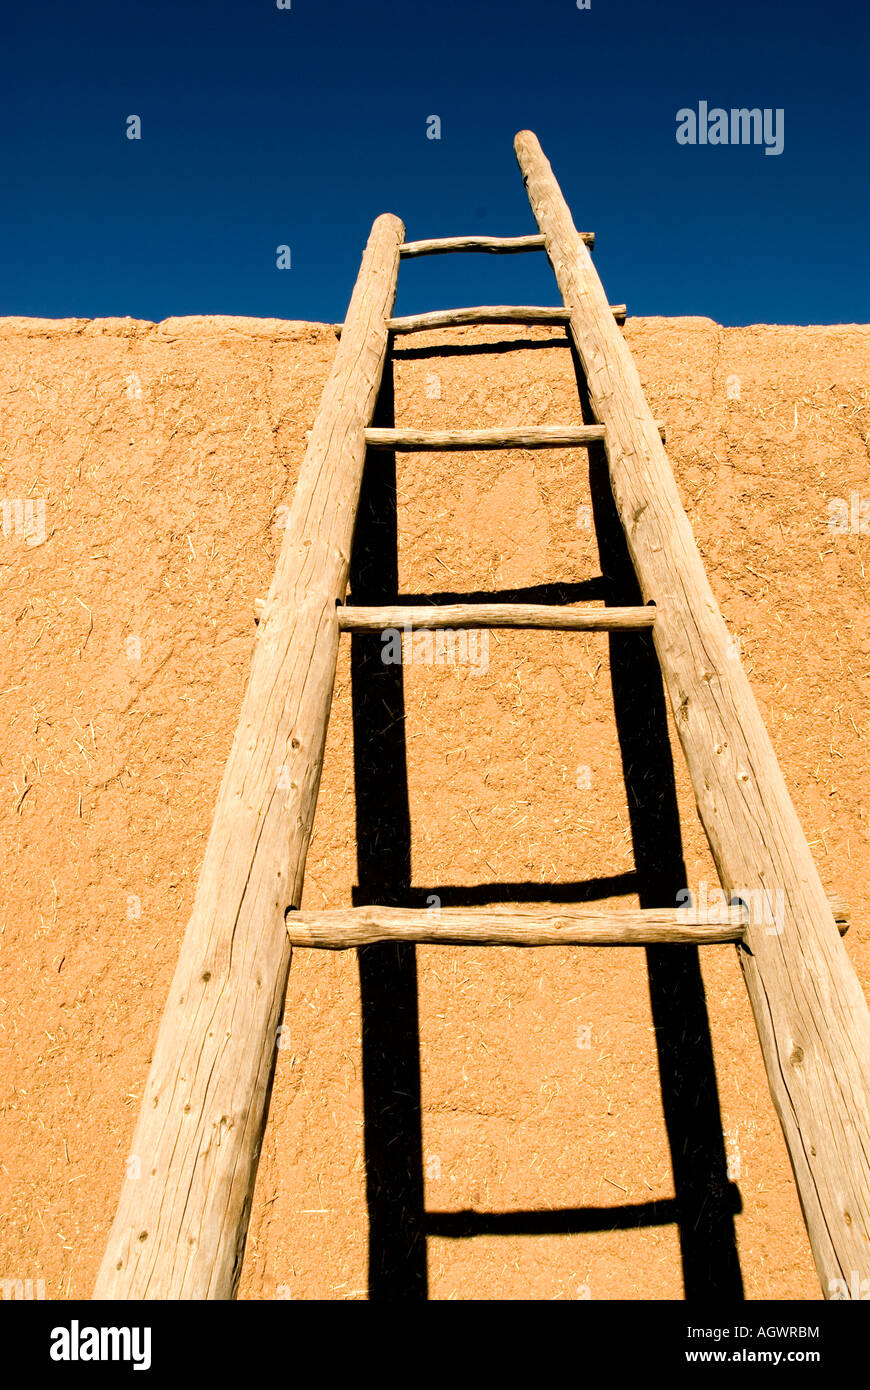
[810, 1012]
[555, 616]
[487, 313]
[499, 245]
[531, 437]
[181, 1223]
[343, 928]
[482, 314]
[511, 926]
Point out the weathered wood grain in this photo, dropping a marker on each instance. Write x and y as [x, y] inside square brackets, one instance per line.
[487, 313]
[343, 928]
[432, 441]
[809, 1009]
[530, 437]
[180, 1227]
[558, 617]
[499, 245]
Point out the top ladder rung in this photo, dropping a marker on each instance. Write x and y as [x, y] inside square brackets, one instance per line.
[503, 245]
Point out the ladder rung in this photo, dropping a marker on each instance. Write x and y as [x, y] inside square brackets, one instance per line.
[552, 616]
[344, 928]
[436, 246]
[488, 313]
[537, 437]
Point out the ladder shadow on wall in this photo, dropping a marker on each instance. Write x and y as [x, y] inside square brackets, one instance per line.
[705, 1201]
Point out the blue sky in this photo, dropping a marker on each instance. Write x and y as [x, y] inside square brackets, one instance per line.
[264, 127]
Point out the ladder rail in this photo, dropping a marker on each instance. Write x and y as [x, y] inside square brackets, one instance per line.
[180, 1227]
[812, 1019]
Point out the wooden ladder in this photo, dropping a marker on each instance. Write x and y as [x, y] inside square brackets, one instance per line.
[180, 1227]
